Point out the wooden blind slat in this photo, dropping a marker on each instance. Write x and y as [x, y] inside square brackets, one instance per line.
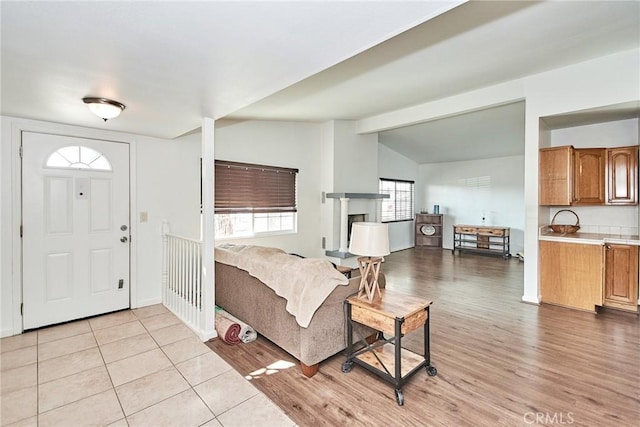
[242, 187]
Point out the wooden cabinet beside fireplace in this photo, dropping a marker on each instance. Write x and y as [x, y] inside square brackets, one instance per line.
[429, 230]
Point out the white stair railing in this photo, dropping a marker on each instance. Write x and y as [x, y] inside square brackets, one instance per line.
[182, 288]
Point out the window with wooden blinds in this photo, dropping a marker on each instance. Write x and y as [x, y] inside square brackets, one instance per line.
[250, 188]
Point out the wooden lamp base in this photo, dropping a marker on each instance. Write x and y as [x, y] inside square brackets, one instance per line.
[369, 271]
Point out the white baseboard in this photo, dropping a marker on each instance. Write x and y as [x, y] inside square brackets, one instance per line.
[207, 336]
[526, 300]
[6, 332]
[146, 302]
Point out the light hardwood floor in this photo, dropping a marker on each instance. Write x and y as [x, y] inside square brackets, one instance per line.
[500, 362]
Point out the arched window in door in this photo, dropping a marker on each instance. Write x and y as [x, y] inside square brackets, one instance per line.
[78, 157]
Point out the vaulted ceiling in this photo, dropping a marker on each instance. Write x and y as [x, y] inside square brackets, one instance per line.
[475, 45]
[172, 63]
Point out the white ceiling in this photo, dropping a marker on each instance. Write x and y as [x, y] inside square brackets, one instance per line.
[485, 134]
[478, 44]
[172, 63]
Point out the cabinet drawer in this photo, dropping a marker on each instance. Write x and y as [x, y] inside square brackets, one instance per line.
[385, 322]
[484, 231]
[466, 230]
[492, 231]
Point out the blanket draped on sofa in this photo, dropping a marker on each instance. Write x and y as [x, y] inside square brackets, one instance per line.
[304, 282]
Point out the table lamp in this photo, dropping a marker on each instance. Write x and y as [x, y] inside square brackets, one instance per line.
[370, 240]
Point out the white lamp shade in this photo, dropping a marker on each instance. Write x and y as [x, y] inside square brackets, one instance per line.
[369, 239]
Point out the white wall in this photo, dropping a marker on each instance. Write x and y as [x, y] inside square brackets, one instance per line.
[165, 181]
[469, 191]
[6, 231]
[355, 170]
[327, 209]
[286, 144]
[355, 160]
[396, 166]
[168, 188]
[617, 133]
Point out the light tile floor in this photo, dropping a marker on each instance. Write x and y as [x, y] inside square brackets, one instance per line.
[139, 367]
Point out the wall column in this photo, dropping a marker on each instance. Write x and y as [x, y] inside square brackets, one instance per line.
[344, 215]
[207, 325]
[378, 217]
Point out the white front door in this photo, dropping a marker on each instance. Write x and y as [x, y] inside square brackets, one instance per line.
[75, 216]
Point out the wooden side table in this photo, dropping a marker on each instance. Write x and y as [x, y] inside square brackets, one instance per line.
[395, 314]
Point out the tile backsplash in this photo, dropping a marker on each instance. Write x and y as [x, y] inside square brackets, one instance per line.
[609, 229]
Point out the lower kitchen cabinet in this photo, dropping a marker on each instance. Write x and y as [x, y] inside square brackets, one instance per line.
[571, 274]
[621, 277]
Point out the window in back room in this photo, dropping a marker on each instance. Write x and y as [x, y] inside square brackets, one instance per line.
[400, 204]
[253, 200]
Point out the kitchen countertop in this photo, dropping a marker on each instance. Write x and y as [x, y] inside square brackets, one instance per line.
[588, 238]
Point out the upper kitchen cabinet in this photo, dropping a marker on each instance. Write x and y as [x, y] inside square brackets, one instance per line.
[556, 176]
[589, 176]
[622, 176]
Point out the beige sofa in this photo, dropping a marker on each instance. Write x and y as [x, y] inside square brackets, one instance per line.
[250, 300]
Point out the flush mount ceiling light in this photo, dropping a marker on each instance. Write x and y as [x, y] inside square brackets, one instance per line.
[104, 108]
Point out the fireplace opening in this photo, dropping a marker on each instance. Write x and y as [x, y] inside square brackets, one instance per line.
[350, 220]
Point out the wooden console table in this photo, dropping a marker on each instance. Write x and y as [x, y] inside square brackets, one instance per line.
[395, 314]
[482, 239]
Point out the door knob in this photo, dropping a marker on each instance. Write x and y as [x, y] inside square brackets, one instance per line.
[124, 239]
